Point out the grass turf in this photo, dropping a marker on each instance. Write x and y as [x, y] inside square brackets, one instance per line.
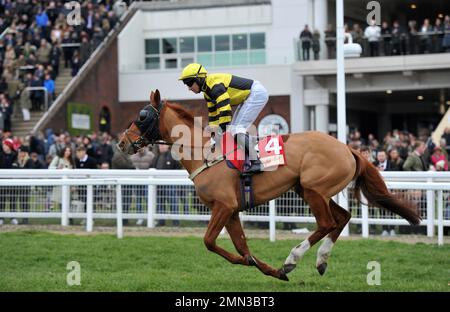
[36, 261]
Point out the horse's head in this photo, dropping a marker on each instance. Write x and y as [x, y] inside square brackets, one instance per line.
[144, 130]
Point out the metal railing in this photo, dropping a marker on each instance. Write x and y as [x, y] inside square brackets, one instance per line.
[389, 45]
[45, 95]
[159, 195]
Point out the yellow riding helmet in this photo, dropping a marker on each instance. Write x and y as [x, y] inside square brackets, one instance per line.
[193, 70]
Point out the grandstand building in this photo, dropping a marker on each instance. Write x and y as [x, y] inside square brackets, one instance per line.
[259, 39]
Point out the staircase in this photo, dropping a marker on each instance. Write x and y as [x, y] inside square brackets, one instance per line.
[22, 128]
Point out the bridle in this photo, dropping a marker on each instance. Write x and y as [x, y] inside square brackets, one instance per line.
[142, 137]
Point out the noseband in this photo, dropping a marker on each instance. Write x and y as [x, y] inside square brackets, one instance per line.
[142, 139]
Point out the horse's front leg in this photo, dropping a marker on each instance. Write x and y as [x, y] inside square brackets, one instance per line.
[234, 228]
[220, 216]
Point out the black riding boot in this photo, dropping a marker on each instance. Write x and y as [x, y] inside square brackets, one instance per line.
[243, 141]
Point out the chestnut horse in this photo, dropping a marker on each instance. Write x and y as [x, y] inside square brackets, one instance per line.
[318, 167]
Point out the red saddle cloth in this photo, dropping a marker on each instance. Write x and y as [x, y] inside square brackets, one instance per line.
[270, 152]
[234, 156]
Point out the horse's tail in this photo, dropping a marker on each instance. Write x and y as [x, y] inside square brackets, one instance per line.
[370, 182]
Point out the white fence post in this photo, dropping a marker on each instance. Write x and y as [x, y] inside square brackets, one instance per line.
[65, 203]
[151, 205]
[89, 208]
[272, 224]
[430, 210]
[440, 219]
[119, 211]
[365, 217]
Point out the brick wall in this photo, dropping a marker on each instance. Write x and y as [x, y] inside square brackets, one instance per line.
[99, 88]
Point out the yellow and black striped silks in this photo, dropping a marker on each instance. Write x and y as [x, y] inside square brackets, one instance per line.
[221, 91]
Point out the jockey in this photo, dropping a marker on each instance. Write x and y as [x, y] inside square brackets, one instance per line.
[221, 91]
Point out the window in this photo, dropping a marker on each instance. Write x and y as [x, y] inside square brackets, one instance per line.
[152, 51]
[187, 44]
[211, 51]
[204, 44]
[169, 45]
[257, 41]
[257, 48]
[240, 42]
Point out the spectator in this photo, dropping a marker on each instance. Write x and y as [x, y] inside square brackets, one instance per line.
[415, 162]
[84, 161]
[36, 163]
[330, 41]
[382, 163]
[85, 50]
[104, 151]
[64, 159]
[142, 160]
[373, 34]
[425, 39]
[43, 53]
[6, 111]
[8, 157]
[387, 37]
[412, 37]
[446, 39]
[438, 157]
[357, 35]
[396, 160]
[23, 161]
[365, 152]
[438, 36]
[36, 96]
[316, 44]
[49, 85]
[165, 193]
[306, 38]
[75, 64]
[398, 39]
[25, 102]
[55, 55]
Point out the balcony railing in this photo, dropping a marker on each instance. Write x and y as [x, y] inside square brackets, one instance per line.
[387, 45]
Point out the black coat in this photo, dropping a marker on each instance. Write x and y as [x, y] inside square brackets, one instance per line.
[90, 163]
[165, 161]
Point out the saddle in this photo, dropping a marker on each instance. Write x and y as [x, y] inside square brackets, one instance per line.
[269, 150]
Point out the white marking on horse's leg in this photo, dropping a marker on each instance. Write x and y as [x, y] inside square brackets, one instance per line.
[297, 252]
[324, 251]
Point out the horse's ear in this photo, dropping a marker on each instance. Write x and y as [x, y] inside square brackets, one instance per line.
[152, 96]
[157, 98]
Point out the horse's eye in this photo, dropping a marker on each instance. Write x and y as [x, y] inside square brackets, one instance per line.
[143, 115]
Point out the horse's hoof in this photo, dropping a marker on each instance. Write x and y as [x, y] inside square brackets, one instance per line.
[322, 268]
[287, 268]
[251, 261]
[283, 275]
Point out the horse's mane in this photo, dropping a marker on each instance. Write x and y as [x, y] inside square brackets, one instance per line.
[185, 115]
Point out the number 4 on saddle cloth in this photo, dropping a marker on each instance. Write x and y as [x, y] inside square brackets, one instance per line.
[269, 150]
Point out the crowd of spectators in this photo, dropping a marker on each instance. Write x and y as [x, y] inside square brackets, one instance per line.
[403, 151]
[387, 39]
[36, 41]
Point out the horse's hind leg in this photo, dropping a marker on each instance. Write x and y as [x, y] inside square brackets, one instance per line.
[234, 228]
[326, 224]
[341, 216]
